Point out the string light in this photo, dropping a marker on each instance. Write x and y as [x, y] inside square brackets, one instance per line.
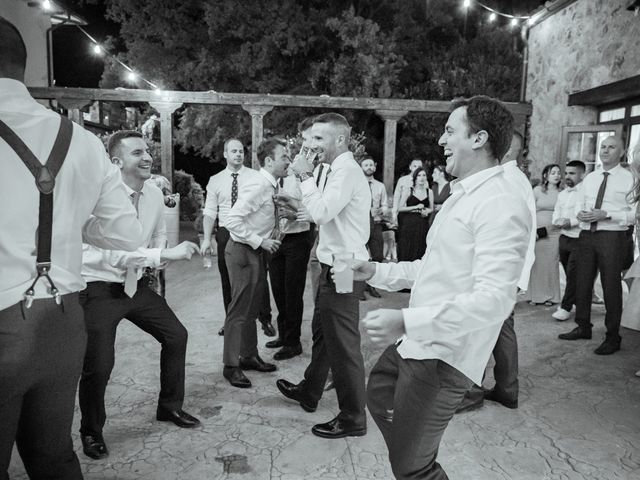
[131, 75]
[493, 15]
[46, 4]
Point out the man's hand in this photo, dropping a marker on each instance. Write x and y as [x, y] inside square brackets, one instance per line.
[184, 251]
[206, 246]
[563, 223]
[287, 212]
[384, 326]
[301, 165]
[285, 200]
[592, 216]
[270, 245]
[303, 215]
[363, 270]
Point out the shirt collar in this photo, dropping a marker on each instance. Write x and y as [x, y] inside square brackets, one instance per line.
[612, 171]
[229, 171]
[131, 191]
[10, 88]
[474, 181]
[269, 177]
[342, 161]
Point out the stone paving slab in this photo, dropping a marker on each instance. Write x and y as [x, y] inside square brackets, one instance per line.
[579, 415]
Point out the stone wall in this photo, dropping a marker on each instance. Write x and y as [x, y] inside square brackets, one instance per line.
[585, 45]
[32, 23]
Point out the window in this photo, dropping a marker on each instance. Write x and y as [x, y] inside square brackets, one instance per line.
[611, 115]
[635, 111]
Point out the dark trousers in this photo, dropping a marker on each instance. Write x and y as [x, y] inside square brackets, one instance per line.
[568, 249]
[105, 305]
[607, 252]
[288, 275]
[40, 363]
[376, 242]
[505, 370]
[222, 237]
[336, 346]
[412, 402]
[247, 275]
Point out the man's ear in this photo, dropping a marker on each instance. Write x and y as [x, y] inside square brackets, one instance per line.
[117, 161]
[482, 137]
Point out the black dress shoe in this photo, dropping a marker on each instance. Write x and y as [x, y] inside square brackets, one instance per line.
[277, 343]
[288, 352]
[607, 348]
[336, 429]
[94, 447]
[268, 329]
[576, 334]
[294, 392]
[179, 417]
[235, 377]
[373, 292]
[221, 332]
[256, 363]
[496, 397]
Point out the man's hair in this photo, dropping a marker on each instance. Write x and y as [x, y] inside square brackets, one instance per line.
[580, 165]
[363, 159]
[231, 139]
[268, 147]
[488, 114]
[115, 141]
[337, 120]
[306, 123]
[13, 52]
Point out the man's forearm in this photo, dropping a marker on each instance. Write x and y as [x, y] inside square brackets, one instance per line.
[207, 226]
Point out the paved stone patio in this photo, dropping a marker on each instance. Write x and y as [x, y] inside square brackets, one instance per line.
[579, 415]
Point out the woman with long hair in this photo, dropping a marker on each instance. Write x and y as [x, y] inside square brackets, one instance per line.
[415, 208]
[544, 284]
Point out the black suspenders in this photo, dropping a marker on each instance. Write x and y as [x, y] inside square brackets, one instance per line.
[44, 176]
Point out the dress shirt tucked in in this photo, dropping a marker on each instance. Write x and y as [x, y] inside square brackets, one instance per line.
[88, 191]
[342, 210]
[521, 183]
[465, 285]
[291, 185]
[566, 208]
[218, 202]
[252, 218]
[99, 265]
[378, 199]
[615, 202]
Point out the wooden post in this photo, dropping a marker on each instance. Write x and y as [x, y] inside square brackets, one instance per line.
[390, 118]
[257, 113]
[166, 109]
[74, 107]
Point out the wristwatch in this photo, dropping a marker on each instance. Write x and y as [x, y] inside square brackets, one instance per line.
[303, 176]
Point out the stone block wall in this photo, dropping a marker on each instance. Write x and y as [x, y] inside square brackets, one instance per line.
[587, 44]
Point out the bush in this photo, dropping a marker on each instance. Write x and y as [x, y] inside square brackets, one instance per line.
[191, 194]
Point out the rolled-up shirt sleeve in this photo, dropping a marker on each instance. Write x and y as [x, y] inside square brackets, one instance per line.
[114, 223]
[211, 202]
[395, 276]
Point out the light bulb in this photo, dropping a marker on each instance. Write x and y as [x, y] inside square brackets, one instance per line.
[132, 77]
[492, 17]
[466, 4]
[514, 22]
[97, 49]
[46, 4]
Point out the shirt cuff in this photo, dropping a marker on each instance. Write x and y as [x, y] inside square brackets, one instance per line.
[308, 186]
[153, 254]
[255, 241]
[418, 323]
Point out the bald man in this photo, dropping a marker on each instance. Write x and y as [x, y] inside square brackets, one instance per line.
[605, 213]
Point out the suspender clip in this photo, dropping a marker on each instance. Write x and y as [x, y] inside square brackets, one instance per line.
[43, 269]
[28, 298]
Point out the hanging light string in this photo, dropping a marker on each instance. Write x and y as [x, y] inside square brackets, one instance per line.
[515, 19]
[99, 50]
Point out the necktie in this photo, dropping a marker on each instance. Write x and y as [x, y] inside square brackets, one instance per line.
[131, 279]
[319, 175]
[594, 225]
[276, 233]
[326, 178]
[234, 189]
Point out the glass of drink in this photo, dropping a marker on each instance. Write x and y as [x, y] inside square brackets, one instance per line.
[342, 272]
[206, 261]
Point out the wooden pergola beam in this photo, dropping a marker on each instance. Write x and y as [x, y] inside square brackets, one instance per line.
[255, 99]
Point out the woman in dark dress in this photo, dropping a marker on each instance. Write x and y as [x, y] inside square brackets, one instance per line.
[441, 190]
[415, 208]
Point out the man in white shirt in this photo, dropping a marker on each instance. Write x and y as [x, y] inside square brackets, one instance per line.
[565, 218]
[222, 193]
[605, 212]
[42, 338]
[462, 290]
[342, 213]
[252, 223]
[505, 353]
[379, 209]
[117, 289]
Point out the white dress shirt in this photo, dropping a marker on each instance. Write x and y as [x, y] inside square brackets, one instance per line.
[253, 218]
[87, 184]
[620, 209]
[521, 183]
[341, 210]
[320, 175]
[566, 208]
[99, 265]
[378, 199]
[291, 185]
[465, 285]
[218, 201]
